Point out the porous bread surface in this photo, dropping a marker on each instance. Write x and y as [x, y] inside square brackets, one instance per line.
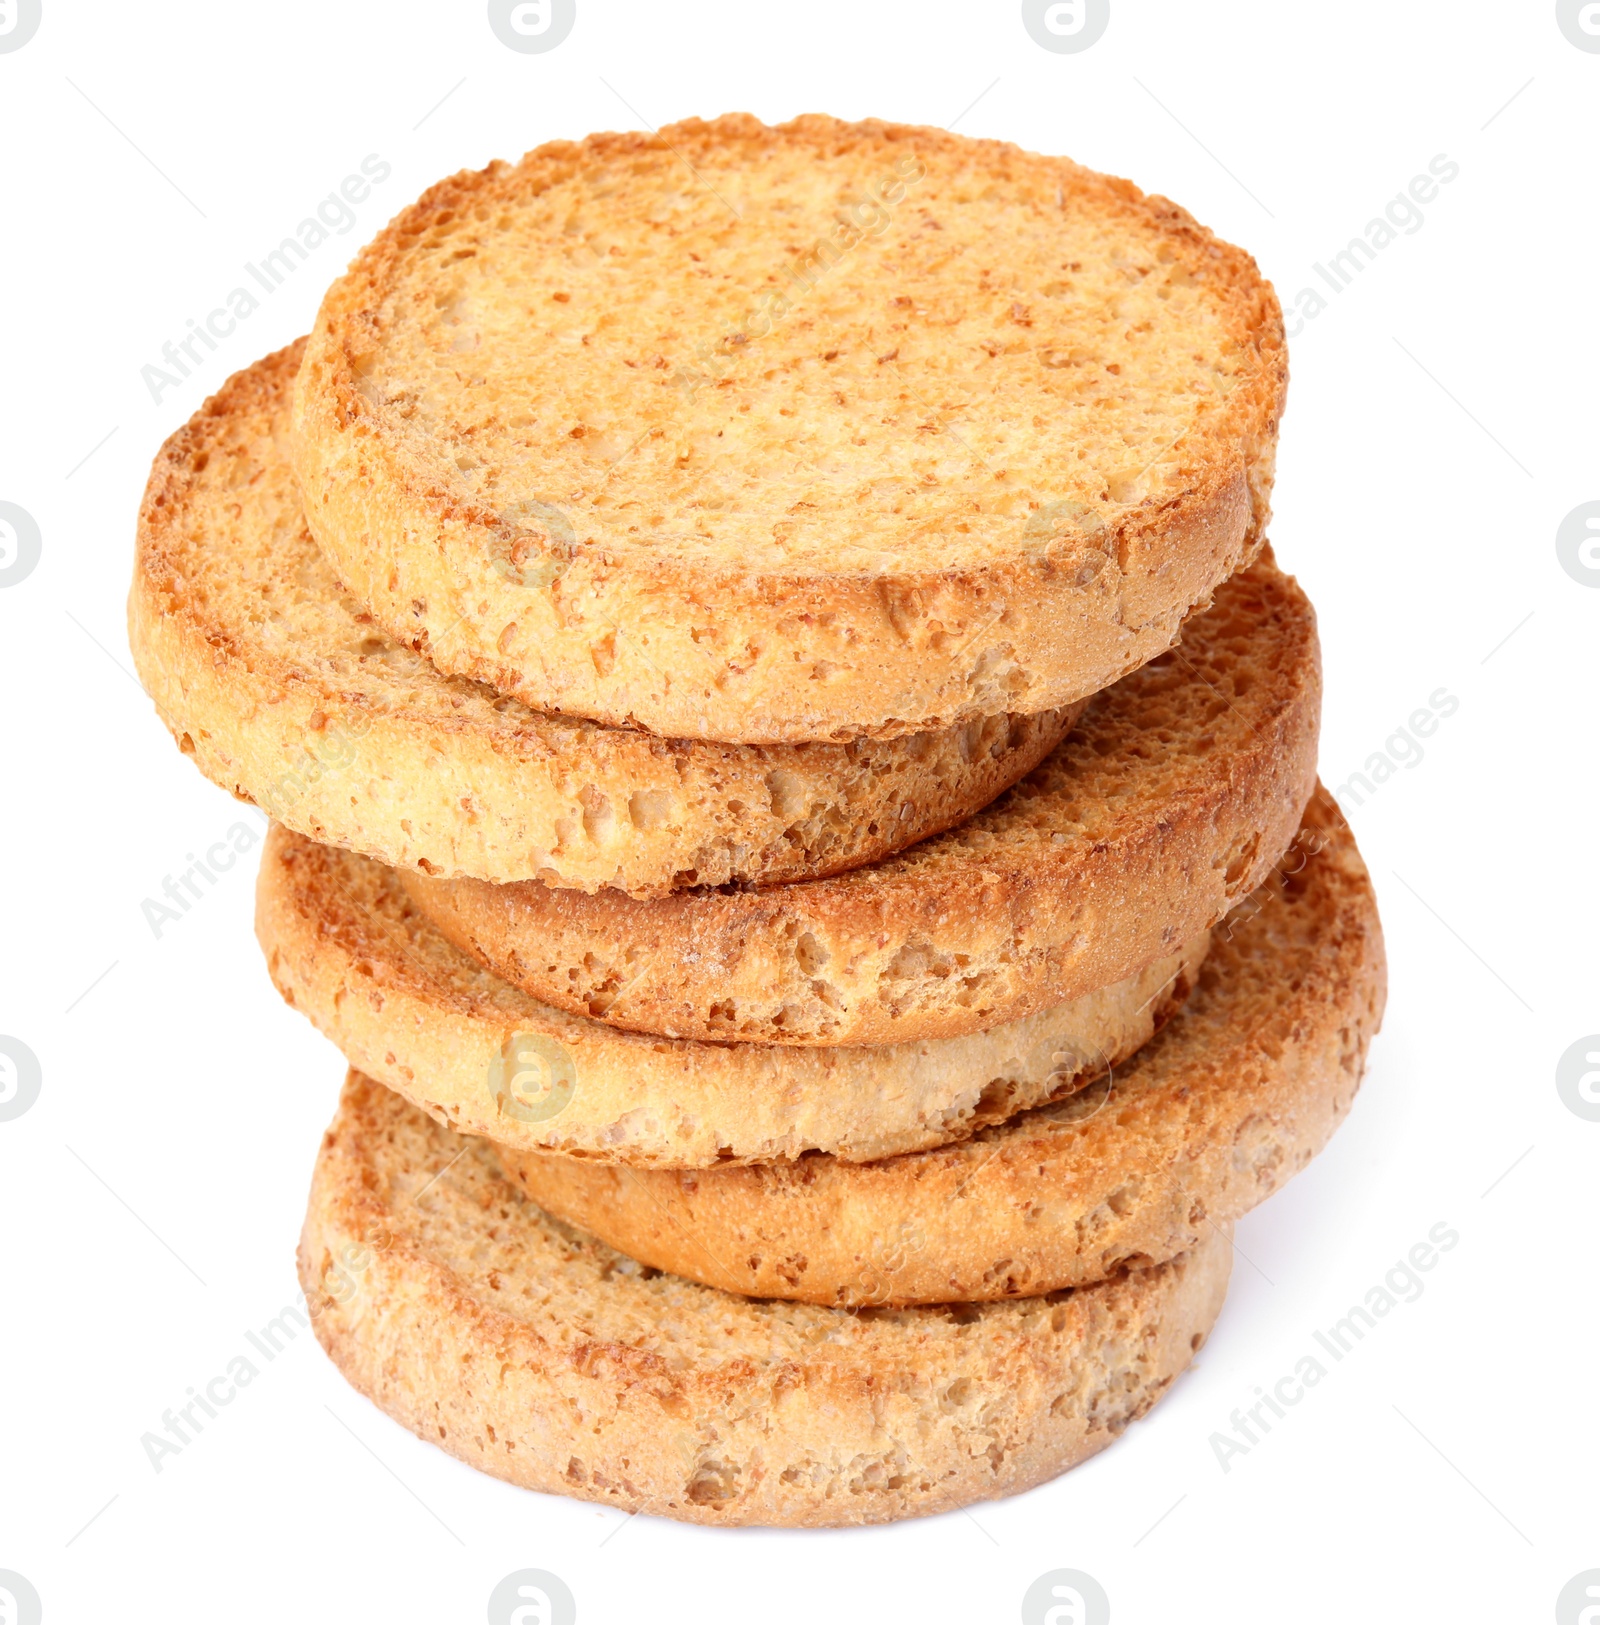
[346, 948]
[1170, 801]
[540, 1355]
[283, 690]
[740, 432]
[1233, 1098]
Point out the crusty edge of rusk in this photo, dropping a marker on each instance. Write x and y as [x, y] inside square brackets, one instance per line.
[429, 790]
[1031, 633]
[415, 1013]
[1136, 1168]
[863, 1430]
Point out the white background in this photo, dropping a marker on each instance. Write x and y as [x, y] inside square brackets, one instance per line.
[150, 1200]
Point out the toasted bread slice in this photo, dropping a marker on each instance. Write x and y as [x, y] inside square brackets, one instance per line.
[541, 1356]
[807, 432]
[1233, 1098]
[348, 950]
[1171, 800]
[283, 691]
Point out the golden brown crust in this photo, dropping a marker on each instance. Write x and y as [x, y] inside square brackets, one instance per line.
[282, 690]
[346, 948]
[543, 1357]
[827, 524]
[1169, 802]
[1233, 1098]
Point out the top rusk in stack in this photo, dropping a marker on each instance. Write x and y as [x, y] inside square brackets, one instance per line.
[760, 648]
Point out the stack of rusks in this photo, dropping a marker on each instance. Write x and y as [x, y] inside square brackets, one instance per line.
[792, 771]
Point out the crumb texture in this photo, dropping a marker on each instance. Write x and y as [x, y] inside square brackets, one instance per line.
[1168, 803]
[1232, 1099]
[346, 947]
[285, 691]
[749, 433]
